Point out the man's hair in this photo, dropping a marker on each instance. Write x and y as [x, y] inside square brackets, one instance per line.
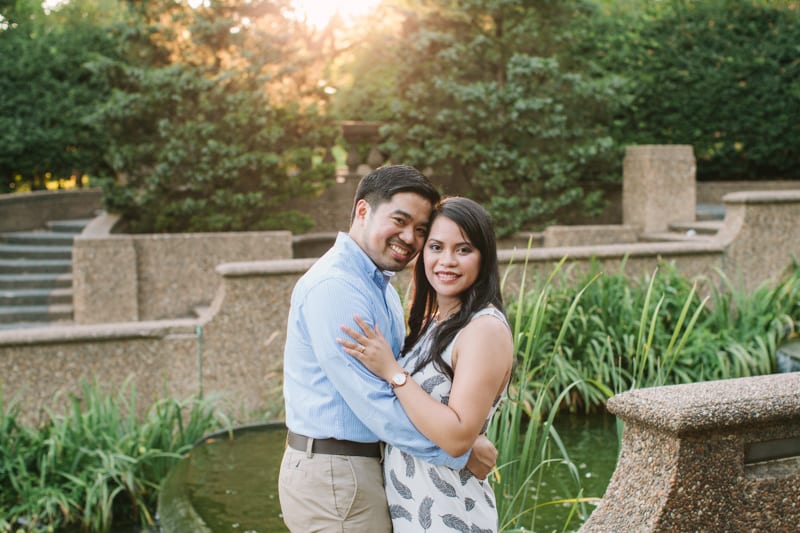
[384, 182]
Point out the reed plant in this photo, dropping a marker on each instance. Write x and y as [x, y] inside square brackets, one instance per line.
[97, 464]
[618, 332]
[578, 342]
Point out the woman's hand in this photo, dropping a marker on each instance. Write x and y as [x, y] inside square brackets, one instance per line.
[371, 348]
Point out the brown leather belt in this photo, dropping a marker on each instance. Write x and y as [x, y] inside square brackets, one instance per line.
[334, 446]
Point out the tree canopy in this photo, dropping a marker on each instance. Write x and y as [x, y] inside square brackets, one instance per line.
[720, 75]
[216, 117]
[46, 92]
[220, 125]
[486, 95]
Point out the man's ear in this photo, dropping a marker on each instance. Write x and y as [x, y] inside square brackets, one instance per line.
[362, 209]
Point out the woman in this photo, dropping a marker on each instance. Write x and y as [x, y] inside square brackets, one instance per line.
[459, 354]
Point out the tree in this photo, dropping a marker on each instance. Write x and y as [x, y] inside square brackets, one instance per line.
[46, 92]
[719, 75]
[484, 100]
[215, 122]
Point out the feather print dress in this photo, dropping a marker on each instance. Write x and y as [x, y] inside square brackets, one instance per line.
[424, 497]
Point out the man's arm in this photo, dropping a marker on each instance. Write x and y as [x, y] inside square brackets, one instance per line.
[482, 458]
[368, 396]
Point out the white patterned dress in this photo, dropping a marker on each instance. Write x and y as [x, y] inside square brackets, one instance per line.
[432, 498]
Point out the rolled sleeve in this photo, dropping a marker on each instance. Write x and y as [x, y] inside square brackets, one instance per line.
[331, 304]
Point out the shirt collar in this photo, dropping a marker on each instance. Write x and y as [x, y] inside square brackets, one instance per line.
[362, 261]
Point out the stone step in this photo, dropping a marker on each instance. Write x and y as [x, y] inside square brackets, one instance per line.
[25, 297]
[38, 238]
[31, 266]
[36, 275]
[27, 251]
[35, 281]
[709, 211]
[671, 236]
[35, 313]
[29, 325]
[68, 226]
[704, 227]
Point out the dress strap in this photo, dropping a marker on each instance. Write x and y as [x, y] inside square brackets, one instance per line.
[492, 311]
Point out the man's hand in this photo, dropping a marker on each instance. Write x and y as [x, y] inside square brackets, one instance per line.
[482, 458]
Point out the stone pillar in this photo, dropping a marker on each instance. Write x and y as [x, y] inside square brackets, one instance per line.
[710, 456]
[759, 235]
[104, 280]
[658, 186]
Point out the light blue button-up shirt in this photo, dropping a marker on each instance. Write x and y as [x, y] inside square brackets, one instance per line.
[328, 393]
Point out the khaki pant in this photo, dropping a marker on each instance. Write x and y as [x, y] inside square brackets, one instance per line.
[327, 493]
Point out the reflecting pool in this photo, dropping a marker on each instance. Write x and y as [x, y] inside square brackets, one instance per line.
[231, 484]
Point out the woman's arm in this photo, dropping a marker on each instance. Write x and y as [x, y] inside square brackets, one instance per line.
[482, 359]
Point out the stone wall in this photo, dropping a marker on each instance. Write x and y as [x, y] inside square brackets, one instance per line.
[760, 235]
[588, 235]
[39, 367]
[32, 210]
[238, 341]
[120, 278]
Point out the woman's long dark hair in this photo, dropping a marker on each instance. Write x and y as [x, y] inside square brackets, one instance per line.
[476, 226]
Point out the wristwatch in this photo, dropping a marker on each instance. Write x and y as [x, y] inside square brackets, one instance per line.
[399, 379]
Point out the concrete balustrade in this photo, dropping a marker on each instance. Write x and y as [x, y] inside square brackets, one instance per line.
[714, 456]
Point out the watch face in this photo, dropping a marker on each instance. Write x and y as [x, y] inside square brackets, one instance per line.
[399, 379]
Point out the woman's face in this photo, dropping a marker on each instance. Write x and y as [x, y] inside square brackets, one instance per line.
[452, 263]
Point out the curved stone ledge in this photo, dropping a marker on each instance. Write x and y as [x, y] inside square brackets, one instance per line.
[245, 269]
[100, 226]
[762, 197]
[643, 249]
[715, 405]
[157, 329]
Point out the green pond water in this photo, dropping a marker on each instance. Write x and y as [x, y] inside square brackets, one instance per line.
[231, 485]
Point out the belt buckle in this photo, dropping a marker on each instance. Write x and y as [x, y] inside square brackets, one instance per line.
[309, 447]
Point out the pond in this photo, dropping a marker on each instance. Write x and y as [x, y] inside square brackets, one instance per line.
[230, 485]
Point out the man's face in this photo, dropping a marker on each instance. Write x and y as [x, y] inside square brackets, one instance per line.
[393, 233]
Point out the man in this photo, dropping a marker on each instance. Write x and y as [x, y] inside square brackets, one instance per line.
[336, 410]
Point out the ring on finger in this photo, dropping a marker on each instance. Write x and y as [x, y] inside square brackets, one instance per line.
[362, 348]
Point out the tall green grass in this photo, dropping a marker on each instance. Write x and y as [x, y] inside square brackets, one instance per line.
[96, 465]
[580, 341]
[617, 333]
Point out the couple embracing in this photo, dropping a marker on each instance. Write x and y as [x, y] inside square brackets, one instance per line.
[356, 376]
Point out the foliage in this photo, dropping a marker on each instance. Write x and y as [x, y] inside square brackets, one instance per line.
[216, 129]
[484, 100]
[523, 425]
[719, 75]
[96, 465]
[365, 74]
[580, 339]
[46, 92]
[626, 333]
